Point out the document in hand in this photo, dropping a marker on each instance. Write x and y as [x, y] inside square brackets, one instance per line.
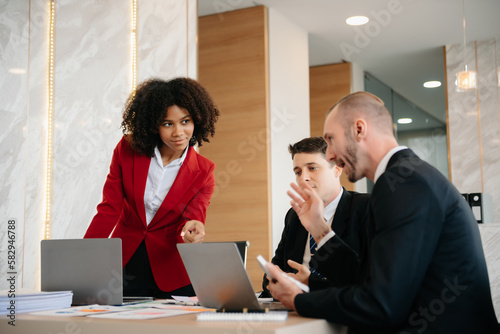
[263, 262]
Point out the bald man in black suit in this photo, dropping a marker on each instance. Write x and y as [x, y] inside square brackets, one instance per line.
[427, 268]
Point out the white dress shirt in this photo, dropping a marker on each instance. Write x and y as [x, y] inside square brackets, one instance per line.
[159, 182]
[328, 214]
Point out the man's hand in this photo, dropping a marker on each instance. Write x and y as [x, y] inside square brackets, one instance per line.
[281, 288]
[303, 272]
[309, 207]
[193, 232]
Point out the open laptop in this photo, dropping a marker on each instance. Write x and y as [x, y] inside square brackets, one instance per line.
[219, 278]
[91, 268]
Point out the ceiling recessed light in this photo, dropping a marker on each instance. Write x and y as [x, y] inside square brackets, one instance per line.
[405, 120]
[432, 84]
[357, 20]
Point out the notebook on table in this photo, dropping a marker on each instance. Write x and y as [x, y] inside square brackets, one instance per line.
[219, 277]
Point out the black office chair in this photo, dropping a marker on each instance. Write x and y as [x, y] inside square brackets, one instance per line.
[242, 248]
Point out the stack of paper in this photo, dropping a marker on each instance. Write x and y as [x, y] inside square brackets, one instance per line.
[23, 300]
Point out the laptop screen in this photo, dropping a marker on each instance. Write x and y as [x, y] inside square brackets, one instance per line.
[218, 276]
[91, 268]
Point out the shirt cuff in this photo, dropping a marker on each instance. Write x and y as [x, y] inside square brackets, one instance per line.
[324, 240]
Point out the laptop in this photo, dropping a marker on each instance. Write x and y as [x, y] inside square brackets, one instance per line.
[219, 277]
[91, 268]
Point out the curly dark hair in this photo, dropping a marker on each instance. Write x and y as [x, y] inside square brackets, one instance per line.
[147, 107]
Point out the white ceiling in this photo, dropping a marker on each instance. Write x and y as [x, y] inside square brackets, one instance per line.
[403, 50]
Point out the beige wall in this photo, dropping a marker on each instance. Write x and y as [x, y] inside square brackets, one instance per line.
[233, 66]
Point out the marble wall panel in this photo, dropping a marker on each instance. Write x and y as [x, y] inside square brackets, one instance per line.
[92, 73]
[163, 38]
[489, 119]
[463, 127]
[14, 43]
[474, 121]
[192, 31]
[497, 62]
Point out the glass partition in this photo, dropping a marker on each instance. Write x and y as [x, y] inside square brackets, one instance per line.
[414, 127]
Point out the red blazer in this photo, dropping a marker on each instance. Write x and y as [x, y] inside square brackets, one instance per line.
[121, 214]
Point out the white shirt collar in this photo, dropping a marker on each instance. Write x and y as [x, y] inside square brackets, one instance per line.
[178, 161]
[382, 165]
[329, 210]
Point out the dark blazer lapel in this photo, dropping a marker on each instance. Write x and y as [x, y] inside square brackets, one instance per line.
[301, 239]
[298, 236]
[183, 182]
[342, 214]
[141, 169]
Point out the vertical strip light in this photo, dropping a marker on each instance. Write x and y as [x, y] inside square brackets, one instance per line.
[133, 46]
[187, 37]
[50, 110]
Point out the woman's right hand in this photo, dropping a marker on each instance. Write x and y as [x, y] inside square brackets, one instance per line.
[193, 232]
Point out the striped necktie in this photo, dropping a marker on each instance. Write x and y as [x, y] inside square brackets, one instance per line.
[312, 245]
[312, 248]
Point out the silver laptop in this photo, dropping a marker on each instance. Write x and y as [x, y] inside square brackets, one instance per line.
[91, 268]
[219, 277]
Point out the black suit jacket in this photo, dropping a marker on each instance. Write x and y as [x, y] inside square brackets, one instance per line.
[428, 272]
[340, 260]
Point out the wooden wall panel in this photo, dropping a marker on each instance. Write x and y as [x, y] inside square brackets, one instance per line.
[233, 66]
[327, 85]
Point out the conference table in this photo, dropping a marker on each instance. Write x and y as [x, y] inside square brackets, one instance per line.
[186, 324]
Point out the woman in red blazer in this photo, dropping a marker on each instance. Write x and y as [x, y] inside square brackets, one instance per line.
[158, 188]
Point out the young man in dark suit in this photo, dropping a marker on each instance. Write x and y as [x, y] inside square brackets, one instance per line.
[338, 259]
[427, 268]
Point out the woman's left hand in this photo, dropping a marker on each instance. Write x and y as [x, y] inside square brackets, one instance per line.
[193, 232]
